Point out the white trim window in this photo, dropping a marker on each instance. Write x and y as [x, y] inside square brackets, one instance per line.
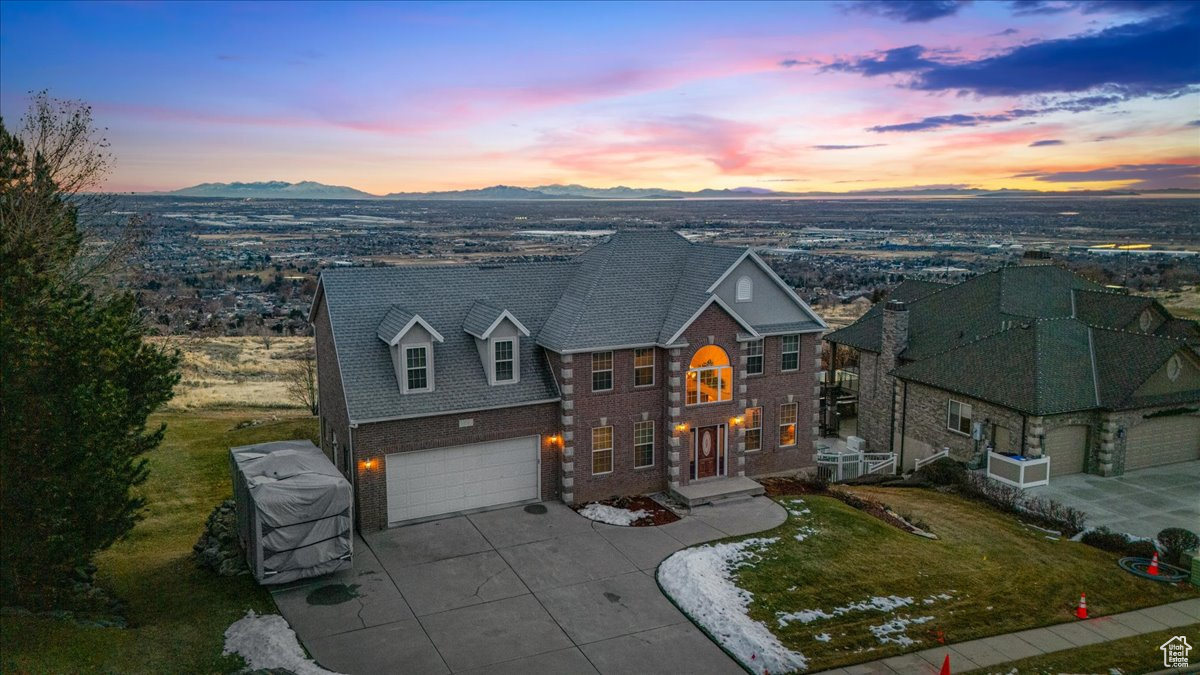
[416, 369]
[643, 444]
[754, 357]
[745, 290]
[643, 367]
[789, 358]
[958, 417]
[787, 425]
[504, 360]
[602, 371]
[753, 429]
[709, 377]
[602, 450]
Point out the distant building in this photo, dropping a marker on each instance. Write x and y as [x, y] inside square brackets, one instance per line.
[1031, 360]
[647, 363]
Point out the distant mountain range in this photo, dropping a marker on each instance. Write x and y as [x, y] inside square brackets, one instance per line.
[312, 190]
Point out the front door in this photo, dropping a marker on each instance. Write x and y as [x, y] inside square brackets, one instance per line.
[710, 448]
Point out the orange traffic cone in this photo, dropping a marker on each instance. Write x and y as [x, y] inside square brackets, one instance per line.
[1153, 568]
[945, 666]
[1081, 610]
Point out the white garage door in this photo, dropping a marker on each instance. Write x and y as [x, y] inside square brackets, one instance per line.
[434, 482]
[1067, 447]
[1165, 440]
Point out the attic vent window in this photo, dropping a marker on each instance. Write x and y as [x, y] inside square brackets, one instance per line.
[745, 289]
[1145, 320]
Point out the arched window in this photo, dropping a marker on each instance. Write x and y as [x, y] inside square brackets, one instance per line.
[709, 376]
[745, 290]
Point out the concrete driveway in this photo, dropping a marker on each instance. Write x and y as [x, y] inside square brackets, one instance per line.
[510, 591]
[1140, 503]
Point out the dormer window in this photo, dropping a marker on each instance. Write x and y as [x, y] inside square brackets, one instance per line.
[503, 351]
[745, 289]
[416, 368]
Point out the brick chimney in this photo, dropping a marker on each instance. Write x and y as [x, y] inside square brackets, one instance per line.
[895, 333]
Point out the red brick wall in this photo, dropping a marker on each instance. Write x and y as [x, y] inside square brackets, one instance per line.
[771, 389]
[622, 407]
[331, 398]
[714, 326]
[373, 441]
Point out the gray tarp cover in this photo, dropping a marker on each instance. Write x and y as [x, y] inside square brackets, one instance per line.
[301, 502]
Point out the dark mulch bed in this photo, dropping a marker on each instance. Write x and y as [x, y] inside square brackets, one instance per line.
[782, 487]
[659, 514]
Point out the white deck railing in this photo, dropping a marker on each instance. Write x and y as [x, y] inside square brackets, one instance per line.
[1022, 472]
[944, 452]
[837, 467]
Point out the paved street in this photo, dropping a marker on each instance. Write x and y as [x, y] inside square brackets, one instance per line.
[508, 591]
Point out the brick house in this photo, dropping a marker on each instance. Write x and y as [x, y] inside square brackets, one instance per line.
[1030, 360]
[647, 363]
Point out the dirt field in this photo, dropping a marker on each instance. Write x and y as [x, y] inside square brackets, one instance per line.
[235, 372]
[1184, 304]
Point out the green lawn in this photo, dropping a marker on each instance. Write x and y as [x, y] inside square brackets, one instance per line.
[1138, 654]
[1000, 576]
[178, 613]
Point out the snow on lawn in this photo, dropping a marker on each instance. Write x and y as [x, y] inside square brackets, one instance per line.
[699, 580]
[876, 604]
[267, 642]
[822, 637]
[793, 507]
[893, 631]
[612, 515]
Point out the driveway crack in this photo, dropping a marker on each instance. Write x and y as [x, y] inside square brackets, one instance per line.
[485, 581]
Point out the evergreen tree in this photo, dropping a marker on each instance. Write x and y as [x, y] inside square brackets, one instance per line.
[78, 380]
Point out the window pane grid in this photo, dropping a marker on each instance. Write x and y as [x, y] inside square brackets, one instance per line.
[753, 429]
[754, 358]
[643, 444]
[504, 361]
[602, 454]
[643, 367]
[602, 377]
[791, 352]
[416, 371]
[787, 424]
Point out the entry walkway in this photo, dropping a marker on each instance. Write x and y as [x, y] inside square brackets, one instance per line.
[1000, 649]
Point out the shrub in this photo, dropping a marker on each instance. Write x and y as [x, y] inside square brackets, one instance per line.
[1045, 512]
[944, 471]
[1175, 541]
[1141, 549]
[1106, 540]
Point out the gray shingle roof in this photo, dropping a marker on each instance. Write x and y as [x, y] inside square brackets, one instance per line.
[357, 298]
[637, 288]
[393, 322]
[1044, 367]
[867, 332]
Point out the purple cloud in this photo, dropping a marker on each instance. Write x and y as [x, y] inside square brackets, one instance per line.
[847, 147]
[1146, 176]
[909, 11]
[1046, 142]
[898, 60]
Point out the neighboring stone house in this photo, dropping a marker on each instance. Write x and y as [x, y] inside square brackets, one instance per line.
[647, 363]
[1030, 360]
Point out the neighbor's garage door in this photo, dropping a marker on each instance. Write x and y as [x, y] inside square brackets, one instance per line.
[1165, 440]
[1067, 447]
[446, 480]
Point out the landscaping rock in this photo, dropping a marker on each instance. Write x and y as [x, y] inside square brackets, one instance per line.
[218, 549]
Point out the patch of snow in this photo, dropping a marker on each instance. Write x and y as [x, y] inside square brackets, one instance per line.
[797, 511]
[267, 642]
[804, 533]
[602, 513]
[939, 596]
[698, 580]
[876, 604]
[893, 631]
[822, 637]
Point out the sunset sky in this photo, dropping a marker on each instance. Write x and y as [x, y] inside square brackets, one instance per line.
[839, 96]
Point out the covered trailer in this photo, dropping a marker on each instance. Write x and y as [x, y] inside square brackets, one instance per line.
[294, 511]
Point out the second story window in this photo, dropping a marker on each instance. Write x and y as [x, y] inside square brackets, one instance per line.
[602, 371]
[504, 361]
[709, 376]
[643, 367]
[958, 417]
[754, 358]
[416, 367]
[790, 348]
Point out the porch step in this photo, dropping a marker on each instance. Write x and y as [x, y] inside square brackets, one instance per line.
[708, 492]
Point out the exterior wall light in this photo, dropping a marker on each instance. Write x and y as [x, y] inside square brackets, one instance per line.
[368, 464]
[737, 421]
[681, 427]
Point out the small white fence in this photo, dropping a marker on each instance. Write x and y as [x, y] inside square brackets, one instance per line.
[1022, 472]
[837, 467]
[944, 452]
